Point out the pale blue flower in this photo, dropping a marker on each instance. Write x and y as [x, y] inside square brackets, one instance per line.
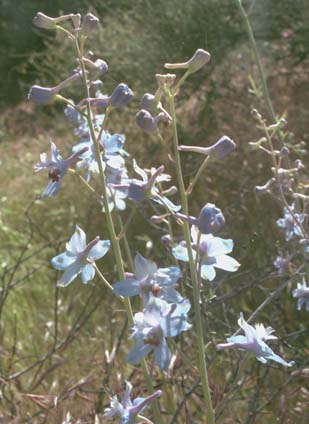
[288, 223]
[213, 254]
[140, 190]
[57, 168]
[149, 280]
[253, 341]
[302, 294]
[112, 153]
[128, 410]
[78, 258]
[151, 327]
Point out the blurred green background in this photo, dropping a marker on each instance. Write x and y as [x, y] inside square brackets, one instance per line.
[136, 39]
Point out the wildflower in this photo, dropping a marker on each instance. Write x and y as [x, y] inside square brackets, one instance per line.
[266, 188]
[253, 341]
[90, 24]
[115, 199]
[149, 280]
[139, 190]
[212, 251]
[302, 294]
[281, 264]
[46, 95]
[57, 168]
[288, 222]
[197, 61]
[112, 152]
[210, 219]
[223, 147]
[128, 410]
[46, 22]
[121, 96]
[99, 65]
[148, 123]
[78, 257]
[151, 327]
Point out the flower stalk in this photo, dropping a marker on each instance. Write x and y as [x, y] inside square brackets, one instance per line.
[195, 283]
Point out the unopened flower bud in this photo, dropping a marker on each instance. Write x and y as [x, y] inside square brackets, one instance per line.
[121, 96]
[76, 19]
[299, 165]
[90, 24]
[170, 191]
[46, 22]
[42, 95]
[255, 145]
[260, 190]
[147, 122]
[284, 152]
[210, 219]
[219, 150]
[281, 123]
[43, 21]
[147, 102]
[157, 219]
[197, 61]
[256, 114]
[101, 66]
[167, 240]
[165, 80]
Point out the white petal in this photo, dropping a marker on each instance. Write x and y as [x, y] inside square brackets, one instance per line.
[226, 263]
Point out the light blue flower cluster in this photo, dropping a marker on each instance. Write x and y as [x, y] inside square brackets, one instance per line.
[287, 223]
[302, 294]
[158, 321]
[165, 310]
[147, 188]
[254, 341]
[128, 410]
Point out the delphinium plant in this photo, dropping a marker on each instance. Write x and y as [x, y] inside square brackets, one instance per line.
[101, 161]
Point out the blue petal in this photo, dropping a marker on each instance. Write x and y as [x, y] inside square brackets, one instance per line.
[162, 355]
[168, 276]
[51, 190]
[88, 273]
[127, 288]
[63, 261]
[143, 267]
[70, 274]
[99, 249]
[77, 242]
[114, 143]
[138, 352]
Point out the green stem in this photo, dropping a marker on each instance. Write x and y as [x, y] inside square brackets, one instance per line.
[195, 284]
[257, 60]
[197, 176]
[109, 220]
